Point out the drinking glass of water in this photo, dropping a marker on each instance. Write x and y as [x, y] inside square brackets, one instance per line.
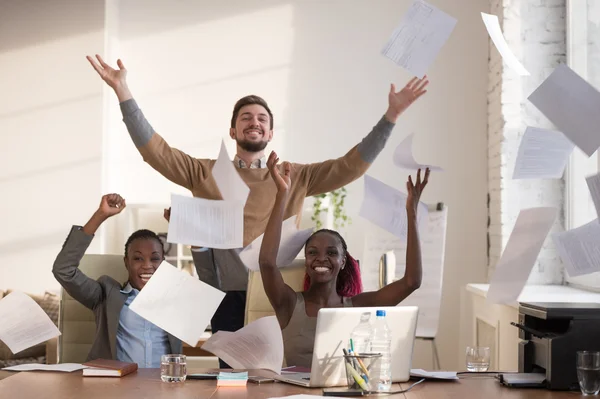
[588, 372]
[478, 358]
[173, 368]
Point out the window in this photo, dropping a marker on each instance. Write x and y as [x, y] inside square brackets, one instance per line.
[583, 56]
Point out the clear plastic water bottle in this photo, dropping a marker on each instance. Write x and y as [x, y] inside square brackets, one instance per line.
[361, 334]
[381, 342]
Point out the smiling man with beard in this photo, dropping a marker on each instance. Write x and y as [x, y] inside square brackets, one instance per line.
[252, 129]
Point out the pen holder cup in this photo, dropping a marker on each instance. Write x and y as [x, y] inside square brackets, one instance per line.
[363, 370]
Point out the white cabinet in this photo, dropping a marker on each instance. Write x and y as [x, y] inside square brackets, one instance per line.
[150, 216]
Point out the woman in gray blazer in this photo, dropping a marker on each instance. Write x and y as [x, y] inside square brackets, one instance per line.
[121, 334]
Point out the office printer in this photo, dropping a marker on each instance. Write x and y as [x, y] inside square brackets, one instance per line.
[551, 334]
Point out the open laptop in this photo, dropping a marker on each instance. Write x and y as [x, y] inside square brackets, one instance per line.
[334, 326]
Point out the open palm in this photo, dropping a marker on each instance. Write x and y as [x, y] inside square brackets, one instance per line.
[401, 100]
[283, 181]
[115, 78]
[415, 189]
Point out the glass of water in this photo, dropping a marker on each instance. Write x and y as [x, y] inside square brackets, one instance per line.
[173, 368]
[478, 358]
[588, 372]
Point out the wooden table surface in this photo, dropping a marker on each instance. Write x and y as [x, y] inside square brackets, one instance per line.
[146, 383]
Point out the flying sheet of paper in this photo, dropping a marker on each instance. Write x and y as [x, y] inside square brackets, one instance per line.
[23, 322]
[229, 181]
[579, 249]
[572, 104]
[178, 303]
[521, 252]
[419, 38]
[64, 367]
[292, 241]
[593, 183]
[403, 156]
[259, 345]
[386, 207]
[435, 375]
[543, 154]
[206, 223]
[493, 27]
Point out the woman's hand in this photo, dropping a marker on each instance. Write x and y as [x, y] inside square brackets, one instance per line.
[283, 182]
[415, 190]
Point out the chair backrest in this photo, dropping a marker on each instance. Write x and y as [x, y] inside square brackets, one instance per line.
[75, 321]
[257, 303]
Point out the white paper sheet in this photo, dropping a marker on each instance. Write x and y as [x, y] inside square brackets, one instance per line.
[229, 181]
[543, 154]
[572, 104]
[178, 303]
[520, 254]
[206, 223]
[259, 345]
[579, 248]
[419, 38]
[403, 157]
[304, 396]
[493, 27]
[434, 375]
[64, 367]
[593, 183]
[23, 323]
[429, 296]
[292, 241]
[386, 207]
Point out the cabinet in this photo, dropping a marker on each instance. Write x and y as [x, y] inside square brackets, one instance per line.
[150, 216]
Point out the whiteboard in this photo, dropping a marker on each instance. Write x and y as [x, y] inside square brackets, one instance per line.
[433, 245]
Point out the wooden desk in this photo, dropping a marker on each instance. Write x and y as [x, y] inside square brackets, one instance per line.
[146, 383]
[480, 387]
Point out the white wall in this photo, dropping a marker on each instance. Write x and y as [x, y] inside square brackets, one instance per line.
[51, 130]
[318, 65]
[535, 31]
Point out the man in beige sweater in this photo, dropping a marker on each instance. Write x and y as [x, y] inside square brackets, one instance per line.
[252, 129]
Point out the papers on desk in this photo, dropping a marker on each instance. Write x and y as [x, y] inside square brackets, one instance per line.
[419, 38]
[229, 181]
[24, 323]
[178, 303]
[303, 396]
[206, 223]
[543, 154]
[386, 207]
[572, 104]
[520, 254]
[259, 345]
[579, 249]
[593, 183]
[64, 367]
[403, 157]
[434, 375]
[493, 27]
[292, 241]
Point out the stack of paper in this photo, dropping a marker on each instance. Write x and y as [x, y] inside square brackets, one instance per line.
[225, 379]
[64, 367]
[259, 345]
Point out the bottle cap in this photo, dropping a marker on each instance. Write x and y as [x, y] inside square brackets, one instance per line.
[380, 313]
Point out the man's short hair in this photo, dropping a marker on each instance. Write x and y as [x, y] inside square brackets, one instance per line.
[248, 100]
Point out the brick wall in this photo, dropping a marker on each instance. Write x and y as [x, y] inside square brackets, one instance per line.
[535, 31]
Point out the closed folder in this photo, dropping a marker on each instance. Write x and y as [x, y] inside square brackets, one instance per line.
[108, 368]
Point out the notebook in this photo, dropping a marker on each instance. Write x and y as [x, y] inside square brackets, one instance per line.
[108, 368]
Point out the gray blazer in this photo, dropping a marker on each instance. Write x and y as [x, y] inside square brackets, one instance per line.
[102, 296]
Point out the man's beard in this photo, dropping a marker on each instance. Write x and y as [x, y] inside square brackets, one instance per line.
[252, 146]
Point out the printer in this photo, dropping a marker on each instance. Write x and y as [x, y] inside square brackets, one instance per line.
[551, 334]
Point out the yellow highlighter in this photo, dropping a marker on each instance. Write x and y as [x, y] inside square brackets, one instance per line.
[359, 380]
